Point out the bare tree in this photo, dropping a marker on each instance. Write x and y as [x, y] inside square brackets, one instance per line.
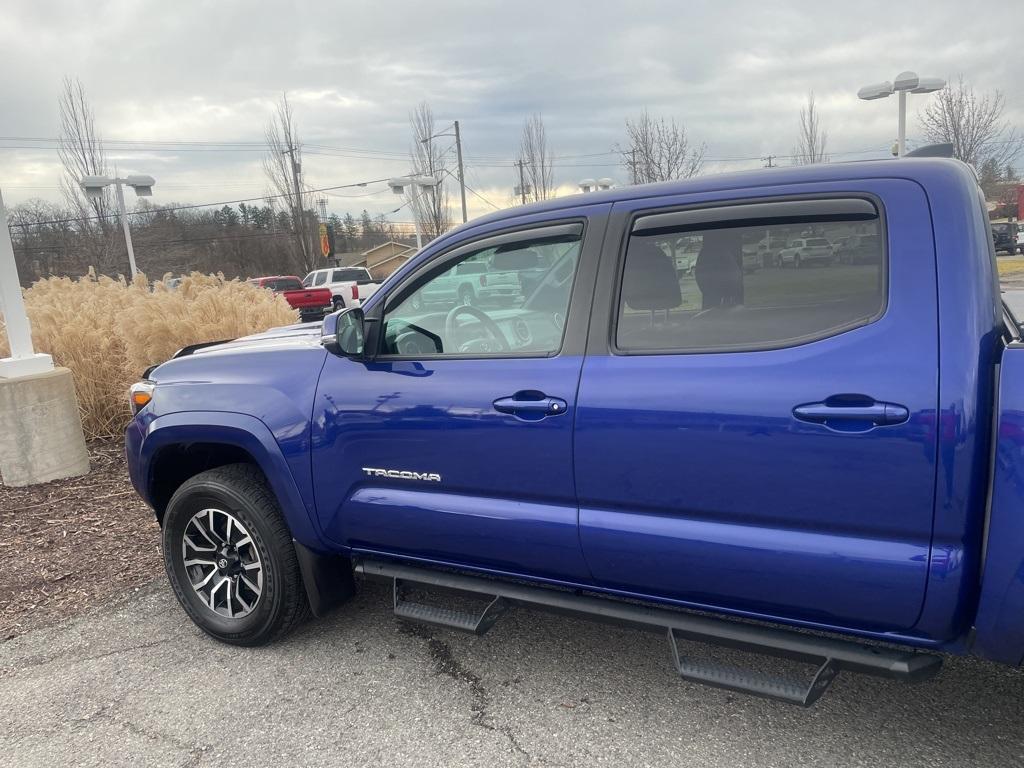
[974, 125]
[282, 166]
[813, 138]
[660, 150]
[536, 160]
[429, 158]
[80, 149]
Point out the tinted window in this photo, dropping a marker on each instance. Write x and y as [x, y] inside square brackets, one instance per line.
[741, 288]
[360, 276]
[283, 284]
[476, 308]
[320, 279]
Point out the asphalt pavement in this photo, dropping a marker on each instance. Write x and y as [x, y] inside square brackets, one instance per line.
[136, 684]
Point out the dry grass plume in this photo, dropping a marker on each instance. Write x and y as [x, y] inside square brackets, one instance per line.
[108, 331]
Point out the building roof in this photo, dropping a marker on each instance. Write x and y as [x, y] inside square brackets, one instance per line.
[402, 246]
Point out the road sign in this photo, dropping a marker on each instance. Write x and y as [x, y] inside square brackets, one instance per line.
[326, 241]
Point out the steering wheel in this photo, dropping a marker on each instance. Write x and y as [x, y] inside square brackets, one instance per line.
[452, 330]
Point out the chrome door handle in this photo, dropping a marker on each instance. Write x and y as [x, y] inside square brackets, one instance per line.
[836, 411]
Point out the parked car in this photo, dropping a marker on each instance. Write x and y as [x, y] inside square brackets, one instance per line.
[804, 251]
[858, 249]
[824, 466]
[1004, 236]
[349, 286]
[487, 281]
[312, 303]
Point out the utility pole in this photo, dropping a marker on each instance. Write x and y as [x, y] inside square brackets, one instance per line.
[462, 173]
[297, 212]
[769, 161]
[522, 183]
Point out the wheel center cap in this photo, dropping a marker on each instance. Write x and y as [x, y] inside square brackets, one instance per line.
[222, 563]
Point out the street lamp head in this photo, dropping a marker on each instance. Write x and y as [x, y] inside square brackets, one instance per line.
[876, 91]
[143, 185]
[906, 81]
[94, 185]
[398, 185]
[426, 181]
[929, 85]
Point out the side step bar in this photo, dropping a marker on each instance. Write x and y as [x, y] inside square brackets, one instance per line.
[829, 654]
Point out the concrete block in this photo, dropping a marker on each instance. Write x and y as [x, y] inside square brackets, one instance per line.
[40, 430]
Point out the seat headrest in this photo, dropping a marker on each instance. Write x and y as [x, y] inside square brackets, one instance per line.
[650, 281]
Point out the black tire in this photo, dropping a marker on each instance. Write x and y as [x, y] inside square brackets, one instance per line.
[467, 296]
[241, 491]
[338, 303]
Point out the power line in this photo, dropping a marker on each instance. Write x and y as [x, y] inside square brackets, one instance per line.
[151, 211]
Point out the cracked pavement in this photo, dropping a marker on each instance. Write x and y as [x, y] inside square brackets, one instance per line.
[136, 684]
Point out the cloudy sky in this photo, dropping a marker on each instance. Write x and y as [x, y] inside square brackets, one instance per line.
[208, 73]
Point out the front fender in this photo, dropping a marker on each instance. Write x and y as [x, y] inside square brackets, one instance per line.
[237, 430]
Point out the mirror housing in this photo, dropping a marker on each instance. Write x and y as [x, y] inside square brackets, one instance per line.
[344, 333]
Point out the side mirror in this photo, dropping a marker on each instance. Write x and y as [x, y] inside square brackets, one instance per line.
[344, 333]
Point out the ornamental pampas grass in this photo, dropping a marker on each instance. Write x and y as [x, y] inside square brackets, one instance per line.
[109, 331]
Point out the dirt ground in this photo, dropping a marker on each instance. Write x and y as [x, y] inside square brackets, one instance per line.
[70, 545]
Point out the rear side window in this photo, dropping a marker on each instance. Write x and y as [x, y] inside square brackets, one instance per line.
[734, 285]
[360, 276]
[320, 279]
[283, 284]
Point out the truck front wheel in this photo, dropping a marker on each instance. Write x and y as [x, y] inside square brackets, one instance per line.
[230, 558]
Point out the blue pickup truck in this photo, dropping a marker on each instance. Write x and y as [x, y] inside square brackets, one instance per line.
[824, 464]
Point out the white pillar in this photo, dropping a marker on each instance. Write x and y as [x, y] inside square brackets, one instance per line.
[901, 140]
[127, 231]
[23, 360]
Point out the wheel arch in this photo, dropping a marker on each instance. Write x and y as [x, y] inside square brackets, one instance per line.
[179, 446]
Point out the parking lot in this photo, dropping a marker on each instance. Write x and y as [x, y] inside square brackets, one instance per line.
[135, 683]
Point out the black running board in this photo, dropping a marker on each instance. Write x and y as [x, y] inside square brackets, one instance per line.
[829, 654]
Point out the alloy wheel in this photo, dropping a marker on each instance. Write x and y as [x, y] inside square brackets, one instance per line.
[222, 563]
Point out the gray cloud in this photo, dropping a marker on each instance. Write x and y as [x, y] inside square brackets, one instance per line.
[735, 73]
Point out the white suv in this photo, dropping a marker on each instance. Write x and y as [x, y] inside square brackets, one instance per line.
[807, 250]
[350, 286]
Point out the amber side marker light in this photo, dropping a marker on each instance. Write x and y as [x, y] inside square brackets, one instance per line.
[139, 395]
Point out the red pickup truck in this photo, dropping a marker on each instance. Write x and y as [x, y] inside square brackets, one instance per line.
[312, 303]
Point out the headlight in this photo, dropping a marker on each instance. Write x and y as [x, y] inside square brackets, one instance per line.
[139, 395]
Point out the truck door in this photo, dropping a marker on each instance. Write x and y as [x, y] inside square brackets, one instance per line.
[758, 435]
[454, 445]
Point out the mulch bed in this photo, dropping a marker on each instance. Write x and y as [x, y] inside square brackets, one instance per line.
[74, 544]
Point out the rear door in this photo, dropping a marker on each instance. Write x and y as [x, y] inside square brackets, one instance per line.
[764, 441]
[455, 444]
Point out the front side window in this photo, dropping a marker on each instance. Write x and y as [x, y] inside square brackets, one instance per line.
[748, 287]
[505, 300]
[320, 279]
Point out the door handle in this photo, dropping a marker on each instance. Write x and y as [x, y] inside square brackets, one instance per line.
[532, 407]
[841, 411]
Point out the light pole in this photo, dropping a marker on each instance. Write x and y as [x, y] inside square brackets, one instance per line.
[458, 152]
[906, 82]
[143, 186]
[419, 184]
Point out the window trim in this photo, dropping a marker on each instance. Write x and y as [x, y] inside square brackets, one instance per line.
[721, 219]
[576, 225]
